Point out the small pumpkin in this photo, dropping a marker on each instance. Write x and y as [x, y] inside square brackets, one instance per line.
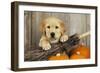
[82, 52]
[59, 57]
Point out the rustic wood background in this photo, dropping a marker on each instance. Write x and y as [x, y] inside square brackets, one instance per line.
[74, 23]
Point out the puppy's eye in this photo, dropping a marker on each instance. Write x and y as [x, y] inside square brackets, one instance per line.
[56, 27]
[48, 26]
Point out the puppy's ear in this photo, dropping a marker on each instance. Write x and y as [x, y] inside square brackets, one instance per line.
[42, 27]
[62, 27]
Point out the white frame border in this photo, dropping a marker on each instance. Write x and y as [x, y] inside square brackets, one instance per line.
[34, 64]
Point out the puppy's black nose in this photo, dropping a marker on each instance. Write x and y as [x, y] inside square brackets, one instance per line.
[52, 34]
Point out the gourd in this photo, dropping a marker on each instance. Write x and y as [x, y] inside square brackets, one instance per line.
[59, 57]
[81, 52]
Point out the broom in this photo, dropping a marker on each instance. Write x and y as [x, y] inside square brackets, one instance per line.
[39, 54]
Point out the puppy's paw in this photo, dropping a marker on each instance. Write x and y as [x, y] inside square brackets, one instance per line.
[45, 45]
[64, 38]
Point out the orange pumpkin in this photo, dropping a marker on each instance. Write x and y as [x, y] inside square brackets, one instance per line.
[82, 52]
[59, 57]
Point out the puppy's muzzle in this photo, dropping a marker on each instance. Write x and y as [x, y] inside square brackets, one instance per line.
[52, 34]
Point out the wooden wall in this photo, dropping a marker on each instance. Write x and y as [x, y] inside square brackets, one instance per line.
[74, 23]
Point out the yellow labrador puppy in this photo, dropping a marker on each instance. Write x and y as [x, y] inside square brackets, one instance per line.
[52, 32]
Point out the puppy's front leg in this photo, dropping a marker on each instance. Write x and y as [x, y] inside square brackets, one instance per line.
[64, 38]
[44, 43]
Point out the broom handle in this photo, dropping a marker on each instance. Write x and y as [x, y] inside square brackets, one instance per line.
[84, 35]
